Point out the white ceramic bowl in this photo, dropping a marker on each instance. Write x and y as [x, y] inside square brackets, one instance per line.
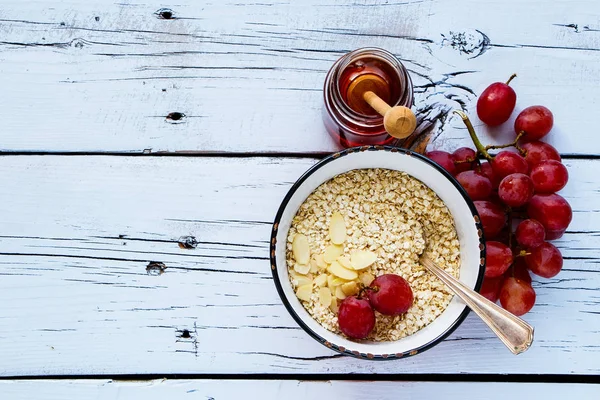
[465, 216]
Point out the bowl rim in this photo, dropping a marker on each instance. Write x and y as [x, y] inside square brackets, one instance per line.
[273, 243]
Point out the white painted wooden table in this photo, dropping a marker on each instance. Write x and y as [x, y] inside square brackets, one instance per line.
[116, 142]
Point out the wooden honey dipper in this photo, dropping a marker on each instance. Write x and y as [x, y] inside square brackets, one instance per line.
[399, 121]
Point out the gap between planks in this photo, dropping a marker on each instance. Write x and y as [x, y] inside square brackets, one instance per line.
[436, 377]
[210, 154]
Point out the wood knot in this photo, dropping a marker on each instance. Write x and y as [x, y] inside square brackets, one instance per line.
[78, 43]
[164, 13]
[155, 268]
[175, 117]
[187, 242]
[473, 43]
[185, 334]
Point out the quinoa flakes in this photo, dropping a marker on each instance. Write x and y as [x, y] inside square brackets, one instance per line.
[388, 213]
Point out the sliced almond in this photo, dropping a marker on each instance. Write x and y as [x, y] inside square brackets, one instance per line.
[304, 292]
[332, 252]
[302, 269]
[300, 249]
[325, 296]
[320, 261]
[313, 264]
[338, 281]
[321, 280]
[366, 278]
[336, 269]
[330, 279]
[299, 280]
[302, 280]
[333, 282]
[339, 293]
[337, 228]
[334, 305]
[362, 259]
[350, 288]
[344, 262]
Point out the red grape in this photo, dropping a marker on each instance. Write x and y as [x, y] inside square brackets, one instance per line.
[444, 159]
[515, 190]
[553, 235]
[464, 159]
[487, 171]
[516, 296]
[536, 152]
[549, 176]
[496, 103]
[519, 270]
[493, 217]
[530, 233]
[544, 260]
[507, 162]
[552, 210]
[356, 317]
[391, 294]
[535, 121]
[498, 257]
[490, 288]
[478, 187]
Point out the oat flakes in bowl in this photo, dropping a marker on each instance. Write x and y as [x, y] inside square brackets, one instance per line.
[391, 203]
[386, 213]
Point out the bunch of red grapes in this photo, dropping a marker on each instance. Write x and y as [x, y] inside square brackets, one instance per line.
[513, 189]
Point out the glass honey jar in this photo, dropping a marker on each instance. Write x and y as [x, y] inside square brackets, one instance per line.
[348, 118]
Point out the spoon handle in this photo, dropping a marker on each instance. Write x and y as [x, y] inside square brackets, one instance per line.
[515, 333]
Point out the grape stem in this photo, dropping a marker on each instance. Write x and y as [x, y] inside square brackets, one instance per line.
[514, 144]
[522, 253]
[513, 76]
[481, 149]
[364, 289]
[521, 150]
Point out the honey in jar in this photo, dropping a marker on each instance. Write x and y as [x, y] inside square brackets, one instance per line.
[348, 118]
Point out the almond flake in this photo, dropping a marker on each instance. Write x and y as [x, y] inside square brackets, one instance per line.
[339, 293]
[336, 269]
[325, 297]
[333, 281]
[302, 269]
[337, 228]
[302, 280]
[345, 262]
[362, 259]
[300, 249]
[321, 280]
[332, 252]
[366, 278]
[304, 292]
[350, 288]
[334, 305]
[320, 261]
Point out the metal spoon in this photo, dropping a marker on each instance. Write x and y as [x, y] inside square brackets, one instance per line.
[515, 333]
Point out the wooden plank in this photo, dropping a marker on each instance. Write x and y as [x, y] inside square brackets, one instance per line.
[292, 390]
[103, 75]
[77, 234]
